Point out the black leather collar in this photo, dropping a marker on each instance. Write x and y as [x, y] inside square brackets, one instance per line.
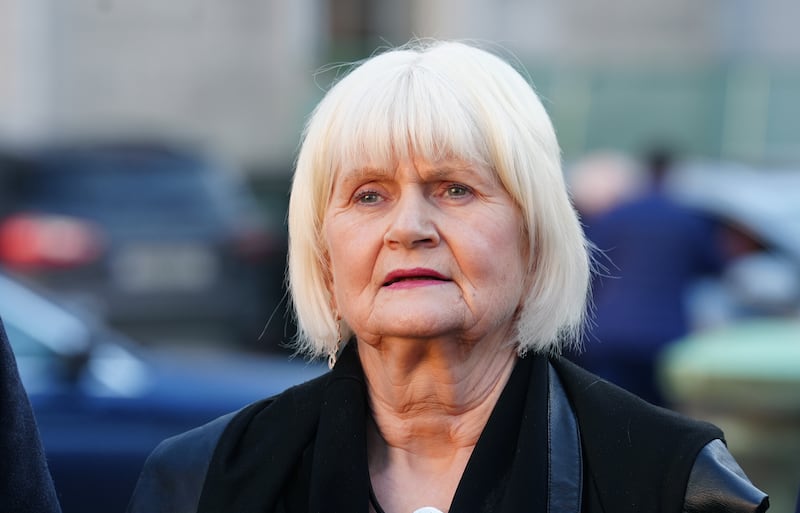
[565, 458]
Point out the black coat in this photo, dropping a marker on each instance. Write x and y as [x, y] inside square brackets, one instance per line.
[607, 451]
[25, 482]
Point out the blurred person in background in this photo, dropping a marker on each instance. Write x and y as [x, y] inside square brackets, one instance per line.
[601, 180]
[25, 482]
[650, 251]
[436, 260]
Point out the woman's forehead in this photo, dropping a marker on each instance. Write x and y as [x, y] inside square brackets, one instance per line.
[382, 137]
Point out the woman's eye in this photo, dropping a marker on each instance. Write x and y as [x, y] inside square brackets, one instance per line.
[367, 197]
[457, 190]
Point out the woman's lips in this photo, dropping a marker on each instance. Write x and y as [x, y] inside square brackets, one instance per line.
[409, 278]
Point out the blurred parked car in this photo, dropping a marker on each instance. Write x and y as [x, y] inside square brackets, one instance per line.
[758, 211]
[152, 237]
[103, 403]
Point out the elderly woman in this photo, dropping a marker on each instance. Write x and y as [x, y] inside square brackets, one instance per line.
[437, 262]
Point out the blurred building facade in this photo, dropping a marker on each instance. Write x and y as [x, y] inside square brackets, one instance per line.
[718, 77]
[230, 75]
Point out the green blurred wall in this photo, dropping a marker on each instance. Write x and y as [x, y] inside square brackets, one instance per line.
[744, 112]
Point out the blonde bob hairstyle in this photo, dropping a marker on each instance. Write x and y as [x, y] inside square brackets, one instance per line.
[435, 99]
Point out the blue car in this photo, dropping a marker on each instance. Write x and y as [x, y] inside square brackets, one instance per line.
[103, 403]
[159, 239]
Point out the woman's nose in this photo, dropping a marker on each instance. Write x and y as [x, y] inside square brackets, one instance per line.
[412, 223]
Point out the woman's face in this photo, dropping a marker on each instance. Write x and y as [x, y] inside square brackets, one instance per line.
[425, 249]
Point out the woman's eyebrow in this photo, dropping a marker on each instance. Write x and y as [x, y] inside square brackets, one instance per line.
[442, 172]
[460, 172]
[433, 173]
[366, 173]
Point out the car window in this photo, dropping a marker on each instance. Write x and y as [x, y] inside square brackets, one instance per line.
[110, 186]
[35, 325]
[24, 345]
[119, 186]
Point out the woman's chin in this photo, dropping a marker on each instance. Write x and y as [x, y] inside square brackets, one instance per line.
[418, 329]
[419, 317]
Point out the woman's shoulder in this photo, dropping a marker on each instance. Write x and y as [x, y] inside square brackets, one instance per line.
[601, 404]
[638, 453]
[173, 475]
[622, 431]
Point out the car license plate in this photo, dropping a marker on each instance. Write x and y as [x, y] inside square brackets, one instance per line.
[161, 268]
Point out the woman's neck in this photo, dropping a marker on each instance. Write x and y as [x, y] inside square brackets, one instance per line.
[429, 402]
[427, 398]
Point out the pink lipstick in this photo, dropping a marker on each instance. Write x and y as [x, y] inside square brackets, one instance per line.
[409, 278]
